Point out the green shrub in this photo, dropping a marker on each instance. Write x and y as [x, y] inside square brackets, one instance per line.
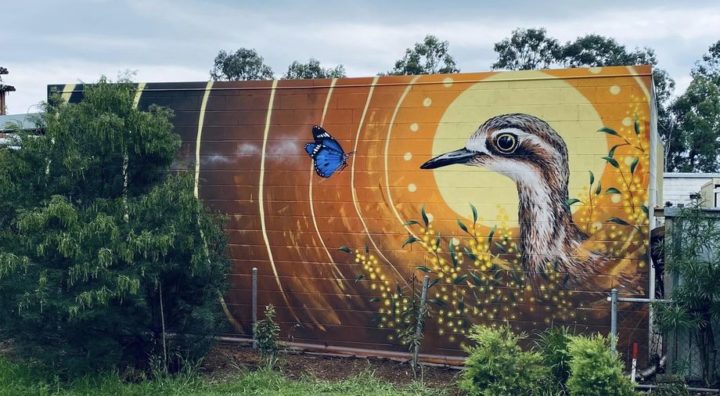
[595, 369]
[497, 366]
[266, 334]
[104, 250]
[553, 346]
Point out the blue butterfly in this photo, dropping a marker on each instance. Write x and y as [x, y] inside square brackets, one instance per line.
[327, 154]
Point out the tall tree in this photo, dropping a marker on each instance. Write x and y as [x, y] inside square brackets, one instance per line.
[103, 251]
[527, 49]
[243, 64]
[596, 51]
[696, 141]
[431, 56]
[312, 69]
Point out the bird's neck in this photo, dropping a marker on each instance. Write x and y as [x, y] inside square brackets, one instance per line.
[547, 231]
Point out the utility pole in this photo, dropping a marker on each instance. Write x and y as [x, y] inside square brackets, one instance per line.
[3, 89]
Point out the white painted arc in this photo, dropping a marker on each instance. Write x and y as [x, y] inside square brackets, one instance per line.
[387, 148]
[338, 274]
[352, 183]
[67, 92]
[198, 140]
[261, 197]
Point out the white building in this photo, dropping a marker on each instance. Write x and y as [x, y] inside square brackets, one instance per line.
[679, 187]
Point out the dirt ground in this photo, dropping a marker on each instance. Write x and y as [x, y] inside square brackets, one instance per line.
[228, 358]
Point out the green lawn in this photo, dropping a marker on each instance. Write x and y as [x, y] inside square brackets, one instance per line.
[17, 379]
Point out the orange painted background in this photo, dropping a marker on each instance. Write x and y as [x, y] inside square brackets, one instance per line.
[333, 254]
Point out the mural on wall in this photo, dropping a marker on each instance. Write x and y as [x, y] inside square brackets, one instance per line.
[523, 196]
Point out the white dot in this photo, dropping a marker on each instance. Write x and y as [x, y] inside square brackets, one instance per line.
[595, 70]
[615, 90]
[429, 216]
[427, 102]
[448, 82]
[629, 160]
[414, 127]
[455, 241]
[412, 187]
[598, 225]
[616, 198]
[407, 156]
[627, 121]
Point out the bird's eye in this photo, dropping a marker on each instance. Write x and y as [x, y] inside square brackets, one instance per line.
[506, 142]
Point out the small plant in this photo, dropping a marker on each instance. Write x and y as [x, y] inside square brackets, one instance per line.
[266, 334]
[595, 368]
[670, 385]
[553, 346]
[412, 327]
[497, 366]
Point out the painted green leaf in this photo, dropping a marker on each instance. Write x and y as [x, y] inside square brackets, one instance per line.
[438, 302]
[611, 161]
[608, 131]
[424, 268]
[646, 210]
[618, 220]
[410, 239]
[571, 201]
[374, 299]
[345, 249]
[424, 216]
[592, 177]
[491, 234]
[469, 253]
[598, 189]
[433, 283]
[633, 165]
[411, 222]
[462, 226]
[367, 249]
[611, 153]
[612, 190]
[476, 278]
[359, 278]
[475, 214]
[459, 279]
[500, 247]
[636, 125]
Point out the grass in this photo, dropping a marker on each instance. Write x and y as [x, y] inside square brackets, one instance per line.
[18, 379]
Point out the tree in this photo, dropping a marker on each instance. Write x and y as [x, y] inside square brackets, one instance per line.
[428, 57]
[596, 51]
[527, 49]
[694, 145]
[244, 64]
[312, 69]
[104, 251]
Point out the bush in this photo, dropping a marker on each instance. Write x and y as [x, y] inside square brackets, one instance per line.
[553, 346]
[595, 369]
[497, 366]
[266, 334]
[103, 251]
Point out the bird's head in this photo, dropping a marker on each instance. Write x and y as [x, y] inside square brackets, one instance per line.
[519, 146]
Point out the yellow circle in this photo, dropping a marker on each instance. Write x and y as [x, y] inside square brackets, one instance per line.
[616, 198]
[414, 127]
[595, 70]
[627, 121]
[412, 187]
[615, 90]
[407, 156]
[427, 102]
[532, 94]
[448, 82]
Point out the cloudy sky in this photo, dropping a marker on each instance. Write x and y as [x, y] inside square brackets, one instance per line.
[47, 42]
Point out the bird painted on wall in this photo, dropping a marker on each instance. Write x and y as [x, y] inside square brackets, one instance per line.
[531, 153]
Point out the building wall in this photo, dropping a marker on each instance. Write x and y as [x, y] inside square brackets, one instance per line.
[679, 186]
[337, 255]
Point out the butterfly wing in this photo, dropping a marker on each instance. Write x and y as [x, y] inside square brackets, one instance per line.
[322, 136]
[328, 161]
[311, 148]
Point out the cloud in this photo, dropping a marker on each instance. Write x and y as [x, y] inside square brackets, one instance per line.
[178, 40]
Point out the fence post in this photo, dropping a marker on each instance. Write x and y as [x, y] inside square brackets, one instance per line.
[613, 318]
[254, 304]
[421, 318]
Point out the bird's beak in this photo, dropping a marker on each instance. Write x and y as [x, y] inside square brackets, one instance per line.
[460, 156]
